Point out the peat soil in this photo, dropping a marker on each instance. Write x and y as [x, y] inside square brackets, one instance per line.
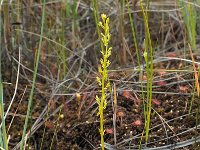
[174, 118]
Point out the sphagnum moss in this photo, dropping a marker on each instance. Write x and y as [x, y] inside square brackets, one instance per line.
[103, 71]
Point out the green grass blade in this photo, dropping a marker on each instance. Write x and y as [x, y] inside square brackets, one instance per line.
[189, 18]
[34, 78]
[3, 133]
[148, 55]
[3, 128]
[133, 34]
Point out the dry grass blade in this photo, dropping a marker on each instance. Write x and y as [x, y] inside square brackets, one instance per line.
[115, 112]
[195, 72]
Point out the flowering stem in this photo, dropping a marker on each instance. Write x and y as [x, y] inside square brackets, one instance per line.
[103, 71]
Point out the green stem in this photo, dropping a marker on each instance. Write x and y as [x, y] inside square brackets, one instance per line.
[34, 79]
[149, 70]
[96, 18]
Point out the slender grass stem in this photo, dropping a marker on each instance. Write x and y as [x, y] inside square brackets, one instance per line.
[148, 55]
[34, 78]
[3, 132]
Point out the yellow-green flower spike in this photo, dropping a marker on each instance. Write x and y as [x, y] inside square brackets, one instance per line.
[103, 81]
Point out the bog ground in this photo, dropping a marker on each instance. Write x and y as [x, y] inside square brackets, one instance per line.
[154, 68]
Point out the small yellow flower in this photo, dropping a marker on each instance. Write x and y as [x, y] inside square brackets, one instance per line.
[103, 16]
[62, 116]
